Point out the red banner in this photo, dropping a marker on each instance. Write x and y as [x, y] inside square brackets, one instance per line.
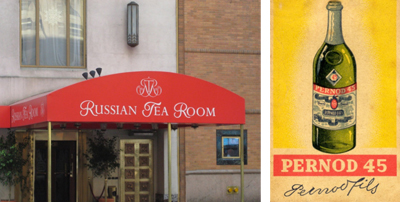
[335, 165]
[335, 91]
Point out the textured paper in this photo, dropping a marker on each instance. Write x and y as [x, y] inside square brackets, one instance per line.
[298, 29]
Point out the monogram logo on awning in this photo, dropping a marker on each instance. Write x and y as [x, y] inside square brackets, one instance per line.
[148, 88]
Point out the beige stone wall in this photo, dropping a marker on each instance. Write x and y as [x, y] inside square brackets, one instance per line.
[216, 189]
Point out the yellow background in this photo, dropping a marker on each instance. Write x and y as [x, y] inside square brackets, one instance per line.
[298, 29]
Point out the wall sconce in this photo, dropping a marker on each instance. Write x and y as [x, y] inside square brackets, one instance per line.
[137, 126]
[103, 127]
[77, 125]
[194, 126]
[133, 24]
[92, 73]
[154, 127]
[120, 125]
[63, 126]
[85, 75]
[98, 70]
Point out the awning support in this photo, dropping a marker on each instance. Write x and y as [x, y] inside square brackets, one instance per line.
[169, 163]
[49, 163]
[241, 164]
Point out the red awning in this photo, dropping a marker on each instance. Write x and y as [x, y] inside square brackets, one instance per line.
[4, 116]
[130, 98]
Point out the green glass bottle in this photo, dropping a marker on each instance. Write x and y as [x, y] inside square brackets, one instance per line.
[334, 90]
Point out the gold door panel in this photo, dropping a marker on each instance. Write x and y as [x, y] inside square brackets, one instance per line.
[136, 170]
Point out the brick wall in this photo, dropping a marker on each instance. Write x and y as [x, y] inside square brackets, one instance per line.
[239, 73]
[223, 24]
[220, 42]
[201, 150]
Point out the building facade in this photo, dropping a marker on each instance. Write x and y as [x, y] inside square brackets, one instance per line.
[48, 44]
[220, 42]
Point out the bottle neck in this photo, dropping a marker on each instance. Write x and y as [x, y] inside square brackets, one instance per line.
[334, 34]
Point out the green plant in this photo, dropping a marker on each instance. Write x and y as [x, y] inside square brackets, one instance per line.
[102, 157]
[11, 161]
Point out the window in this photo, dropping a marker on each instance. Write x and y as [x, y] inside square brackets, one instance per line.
[228, 150]
[52, 33]
[230, 147]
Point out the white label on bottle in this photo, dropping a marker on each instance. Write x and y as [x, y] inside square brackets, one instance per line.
[334, 108]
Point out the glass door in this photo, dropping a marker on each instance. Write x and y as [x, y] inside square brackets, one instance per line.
[63, 166]
[136, 170]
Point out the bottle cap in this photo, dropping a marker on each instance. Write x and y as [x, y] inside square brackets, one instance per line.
[334, 6]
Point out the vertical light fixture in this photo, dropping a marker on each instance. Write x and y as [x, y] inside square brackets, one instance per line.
[133, 24]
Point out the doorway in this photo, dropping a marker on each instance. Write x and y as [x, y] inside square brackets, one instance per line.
[136, 164]
[63, 168]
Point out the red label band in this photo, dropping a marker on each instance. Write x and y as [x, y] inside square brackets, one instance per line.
[335, 91]
[335, 165]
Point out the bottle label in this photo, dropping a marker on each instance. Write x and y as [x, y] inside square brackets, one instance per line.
[333, 77]
[334, 108]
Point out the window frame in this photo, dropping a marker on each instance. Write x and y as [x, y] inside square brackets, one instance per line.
[222, 147]
[223, 160]
[68, 36]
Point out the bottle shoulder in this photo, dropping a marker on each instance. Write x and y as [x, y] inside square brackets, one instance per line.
[338, 47]
[337, 58]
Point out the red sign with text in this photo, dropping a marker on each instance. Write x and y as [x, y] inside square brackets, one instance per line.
[335, 165]
[134, 97]
[335, 91]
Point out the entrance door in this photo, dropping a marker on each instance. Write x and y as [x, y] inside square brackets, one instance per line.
[136, 170]
[63, 169]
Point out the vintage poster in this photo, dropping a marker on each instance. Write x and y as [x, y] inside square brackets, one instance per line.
[334, 111]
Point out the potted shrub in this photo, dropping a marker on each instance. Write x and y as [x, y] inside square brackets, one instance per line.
[102, 158]
[11, 161]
